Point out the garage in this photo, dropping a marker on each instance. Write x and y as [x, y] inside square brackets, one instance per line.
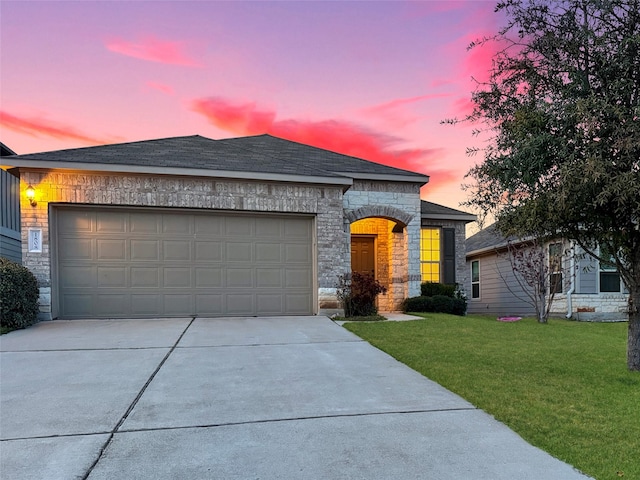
[145, 262]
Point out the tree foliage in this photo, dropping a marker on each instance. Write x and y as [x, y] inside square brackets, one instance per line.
[562, 108]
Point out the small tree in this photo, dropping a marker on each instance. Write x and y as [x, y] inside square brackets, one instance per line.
[538, 276]
[357, 294]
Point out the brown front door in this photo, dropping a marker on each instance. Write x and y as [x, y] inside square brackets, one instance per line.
[363, 259]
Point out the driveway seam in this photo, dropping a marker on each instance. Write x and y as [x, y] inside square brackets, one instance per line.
[135, 401]
[293, 419]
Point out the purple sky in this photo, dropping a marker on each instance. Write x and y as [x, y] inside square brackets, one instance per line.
[369, 79]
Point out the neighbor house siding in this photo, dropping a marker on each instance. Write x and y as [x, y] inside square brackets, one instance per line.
[10, 246]
[325, 202]
[500, 292]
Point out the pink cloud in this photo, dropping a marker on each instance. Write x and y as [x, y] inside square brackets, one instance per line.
[161, 87]
[39, 127]
[153, 50]
[335, 135]
[395, 113]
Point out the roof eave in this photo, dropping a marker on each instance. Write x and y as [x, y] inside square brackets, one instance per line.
[421, 179]
[189, 172]
[465, 217]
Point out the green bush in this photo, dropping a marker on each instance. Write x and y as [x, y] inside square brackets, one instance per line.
[418, 304]
[357, 294]
[435, 304]
[18, 295]
[431, 289]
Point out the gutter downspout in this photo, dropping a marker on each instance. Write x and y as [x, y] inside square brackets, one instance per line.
[572, 289]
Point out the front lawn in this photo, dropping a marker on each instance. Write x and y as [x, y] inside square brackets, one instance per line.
[563, 387]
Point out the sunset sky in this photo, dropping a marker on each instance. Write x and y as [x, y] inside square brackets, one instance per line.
[369, 79]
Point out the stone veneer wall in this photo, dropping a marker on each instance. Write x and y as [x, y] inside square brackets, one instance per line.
[324, 201]
[602, 307]
[462, 272]
[399, 202]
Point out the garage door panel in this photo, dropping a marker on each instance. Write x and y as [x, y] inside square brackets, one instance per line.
[78, 305]
[297, 253]
[269, 303]
[178, 304]
[146, 304]
[181, 224]
[112, 277]
[145, 277]
[239, 278]
[110, 222]
[78, 276]
[298, 303]
[209, 277]
[268, 252]
[240, 304]
[297, 228]
[80, 222]
[238, 226]
[112, 305]
[72, 248]
[209, 305]
[117, 262]
[297, 278]
[266, 228]
[208, 225]
[208, 251]
[239, 252]
[269, 277]
[176, 250]
[144, 223]
[177, 277]
[111, 249]
[145, 250]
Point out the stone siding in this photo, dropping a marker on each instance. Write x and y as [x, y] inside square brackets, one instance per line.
[603, 307]
[399, 202]
[325, 202]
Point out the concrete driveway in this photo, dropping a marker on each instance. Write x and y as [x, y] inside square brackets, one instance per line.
[237, 398]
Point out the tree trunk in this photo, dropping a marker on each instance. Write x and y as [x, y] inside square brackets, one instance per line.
[633, 343]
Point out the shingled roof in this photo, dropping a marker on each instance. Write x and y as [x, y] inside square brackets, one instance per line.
[433, 211]
[259, 157]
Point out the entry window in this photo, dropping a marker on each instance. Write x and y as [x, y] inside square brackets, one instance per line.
[430, 254]
[555, 267]
[609, 276]
[475, 279]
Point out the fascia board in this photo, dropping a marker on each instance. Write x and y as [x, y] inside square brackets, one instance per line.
[183, 172]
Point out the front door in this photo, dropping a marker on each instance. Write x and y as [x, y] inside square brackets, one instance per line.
[363, 259]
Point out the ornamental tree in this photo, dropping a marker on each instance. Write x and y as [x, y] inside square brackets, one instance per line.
[562, 111]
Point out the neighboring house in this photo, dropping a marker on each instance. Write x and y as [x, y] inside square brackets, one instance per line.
[192, 226]
[9, 212]
[587, 289]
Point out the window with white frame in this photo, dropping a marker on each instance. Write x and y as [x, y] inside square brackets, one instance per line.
[609, 276]
[475, 279]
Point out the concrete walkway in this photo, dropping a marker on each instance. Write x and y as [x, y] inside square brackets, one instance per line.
[237, 398]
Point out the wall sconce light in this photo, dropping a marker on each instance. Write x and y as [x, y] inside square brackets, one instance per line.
[31, 195]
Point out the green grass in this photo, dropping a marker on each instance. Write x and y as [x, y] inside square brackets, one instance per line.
[563, 387]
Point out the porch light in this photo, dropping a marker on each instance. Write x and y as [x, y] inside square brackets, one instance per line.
[31, 195]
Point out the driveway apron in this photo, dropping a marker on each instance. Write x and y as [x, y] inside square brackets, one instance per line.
[237, 398]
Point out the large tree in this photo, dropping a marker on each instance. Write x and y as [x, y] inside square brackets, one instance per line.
[562, 109]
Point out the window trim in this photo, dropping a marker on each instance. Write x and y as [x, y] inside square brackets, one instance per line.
[475, 282]
[609, 271]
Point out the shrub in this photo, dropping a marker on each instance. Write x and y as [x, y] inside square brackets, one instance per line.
[431, 289]
[455, 304]
[357, 294]
[18, 295]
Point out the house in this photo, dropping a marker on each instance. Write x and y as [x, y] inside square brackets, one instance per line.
[9, 212]
[193, 226]
[584, 288]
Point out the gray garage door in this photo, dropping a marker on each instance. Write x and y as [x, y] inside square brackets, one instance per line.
[116, 263]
